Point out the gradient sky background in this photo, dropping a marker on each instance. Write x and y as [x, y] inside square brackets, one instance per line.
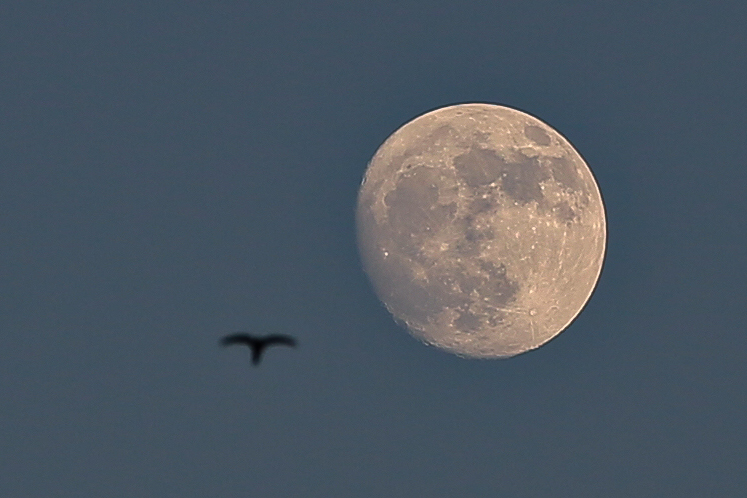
[173, 171]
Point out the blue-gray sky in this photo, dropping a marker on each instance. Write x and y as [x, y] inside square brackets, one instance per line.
[173, 171]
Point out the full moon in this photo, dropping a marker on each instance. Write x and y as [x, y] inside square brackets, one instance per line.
[482, 229]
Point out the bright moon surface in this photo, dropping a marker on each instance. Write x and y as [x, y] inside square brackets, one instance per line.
[482, 229]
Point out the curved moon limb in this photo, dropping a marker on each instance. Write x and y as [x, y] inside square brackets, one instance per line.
[482, 229]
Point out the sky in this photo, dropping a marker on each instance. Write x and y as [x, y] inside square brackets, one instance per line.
[174, 171]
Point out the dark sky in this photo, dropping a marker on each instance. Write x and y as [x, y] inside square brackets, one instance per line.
[174, 171]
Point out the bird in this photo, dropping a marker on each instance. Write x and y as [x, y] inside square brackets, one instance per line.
[258, 343]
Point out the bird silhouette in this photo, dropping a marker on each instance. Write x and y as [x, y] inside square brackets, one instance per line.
[258, 343]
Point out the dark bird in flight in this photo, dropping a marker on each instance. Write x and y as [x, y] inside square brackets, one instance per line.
[258, 343]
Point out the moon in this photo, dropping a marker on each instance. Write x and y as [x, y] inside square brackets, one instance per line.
[482, 229]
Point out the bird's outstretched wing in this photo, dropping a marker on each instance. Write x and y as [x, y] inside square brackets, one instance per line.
[278, 339]
[238, 338]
